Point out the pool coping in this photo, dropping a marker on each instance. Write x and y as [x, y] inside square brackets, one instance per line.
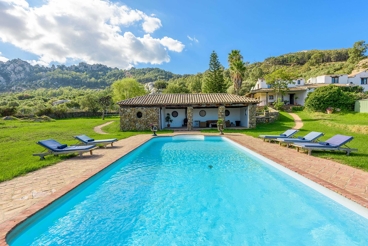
[243, 140]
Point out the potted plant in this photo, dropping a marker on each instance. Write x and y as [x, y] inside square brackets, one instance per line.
[153, 129]
[168, 119]
[220, 126]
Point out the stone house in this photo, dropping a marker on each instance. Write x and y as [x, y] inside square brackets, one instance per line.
[187, 111]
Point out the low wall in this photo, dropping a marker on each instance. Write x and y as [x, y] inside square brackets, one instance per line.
[73, 115]
[273, 116]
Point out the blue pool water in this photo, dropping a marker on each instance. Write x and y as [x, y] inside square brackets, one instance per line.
[192, 192]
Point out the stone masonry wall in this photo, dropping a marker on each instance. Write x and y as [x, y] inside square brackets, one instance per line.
[221, 114]
[190, 118]
[129, 120]
[252, 115]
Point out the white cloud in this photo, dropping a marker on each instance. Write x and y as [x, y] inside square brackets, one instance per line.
[192, 39]
[3, 59]
[172, 44]
[94, 31]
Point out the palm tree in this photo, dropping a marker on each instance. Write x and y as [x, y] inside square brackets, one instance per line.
[237, 69]
[234, 55]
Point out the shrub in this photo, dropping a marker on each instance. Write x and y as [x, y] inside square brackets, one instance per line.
[330, 96]
[7, 111]
[279, 104]
[297, 108]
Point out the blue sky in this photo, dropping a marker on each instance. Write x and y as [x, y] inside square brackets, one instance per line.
[177, 36]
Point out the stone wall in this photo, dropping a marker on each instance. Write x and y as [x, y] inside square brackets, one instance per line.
[252, 110]
[190, 118]
[129, 119]
[67, 115]
[273, 116]
[221, 114]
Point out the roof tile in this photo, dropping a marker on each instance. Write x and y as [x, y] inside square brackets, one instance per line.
[186, 99]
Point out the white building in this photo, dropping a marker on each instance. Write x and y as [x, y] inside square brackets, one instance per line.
[295, 95]
[359, 78]
[298, 92]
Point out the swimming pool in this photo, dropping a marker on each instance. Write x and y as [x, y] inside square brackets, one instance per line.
[193, 190]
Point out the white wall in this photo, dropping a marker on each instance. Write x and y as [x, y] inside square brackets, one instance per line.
[260, 84]
[234, 114]
[327, 79]
[176, 121]
[356, 80]
[244, 116]
[211, 114]
[301, 82]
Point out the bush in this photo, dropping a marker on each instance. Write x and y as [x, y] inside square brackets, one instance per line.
[297, 108]
[330, 96]
[279, 104]
[7, 111]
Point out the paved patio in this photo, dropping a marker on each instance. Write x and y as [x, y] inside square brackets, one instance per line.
[22, 196]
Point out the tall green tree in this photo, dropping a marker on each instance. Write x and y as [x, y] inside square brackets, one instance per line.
[358, 51]
[127, 88]
[195, 83]
[160, 85]
[175, 88]
[279, 81]
[214, 81]
[89, 102]
[237, 69]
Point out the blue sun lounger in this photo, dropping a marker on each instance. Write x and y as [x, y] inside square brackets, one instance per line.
[334, 143]
[309, 138]
[53, 147]
[88, 141]
[286, 134]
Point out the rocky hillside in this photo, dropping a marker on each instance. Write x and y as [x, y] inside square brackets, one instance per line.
[19, 75]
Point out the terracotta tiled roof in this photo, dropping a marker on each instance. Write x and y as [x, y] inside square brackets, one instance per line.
[187, 99]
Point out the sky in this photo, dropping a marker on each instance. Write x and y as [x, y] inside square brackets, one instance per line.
[177, 36]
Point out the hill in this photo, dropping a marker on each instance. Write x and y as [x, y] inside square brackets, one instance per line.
[19, 75]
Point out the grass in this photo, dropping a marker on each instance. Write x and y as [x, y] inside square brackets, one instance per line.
[18, 138]
[351, 124]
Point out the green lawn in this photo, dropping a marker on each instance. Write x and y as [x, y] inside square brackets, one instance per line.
[18, 141]
[351, 124]
[18, 138]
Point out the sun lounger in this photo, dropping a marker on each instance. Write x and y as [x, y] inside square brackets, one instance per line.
[309, 138]
[88, 141]
[53, 147]
[334, 143]
[286, 134]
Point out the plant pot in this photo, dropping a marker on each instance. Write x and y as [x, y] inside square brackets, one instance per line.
[168, 125]
[329, 111]
[220, 127]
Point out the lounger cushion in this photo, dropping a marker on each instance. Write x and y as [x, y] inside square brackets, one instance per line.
[284, 135]
[302, 138]
[63, 146]
[324, 143]
[90, 140]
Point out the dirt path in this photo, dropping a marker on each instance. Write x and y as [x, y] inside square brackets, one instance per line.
[298, 121]
[98, 129]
